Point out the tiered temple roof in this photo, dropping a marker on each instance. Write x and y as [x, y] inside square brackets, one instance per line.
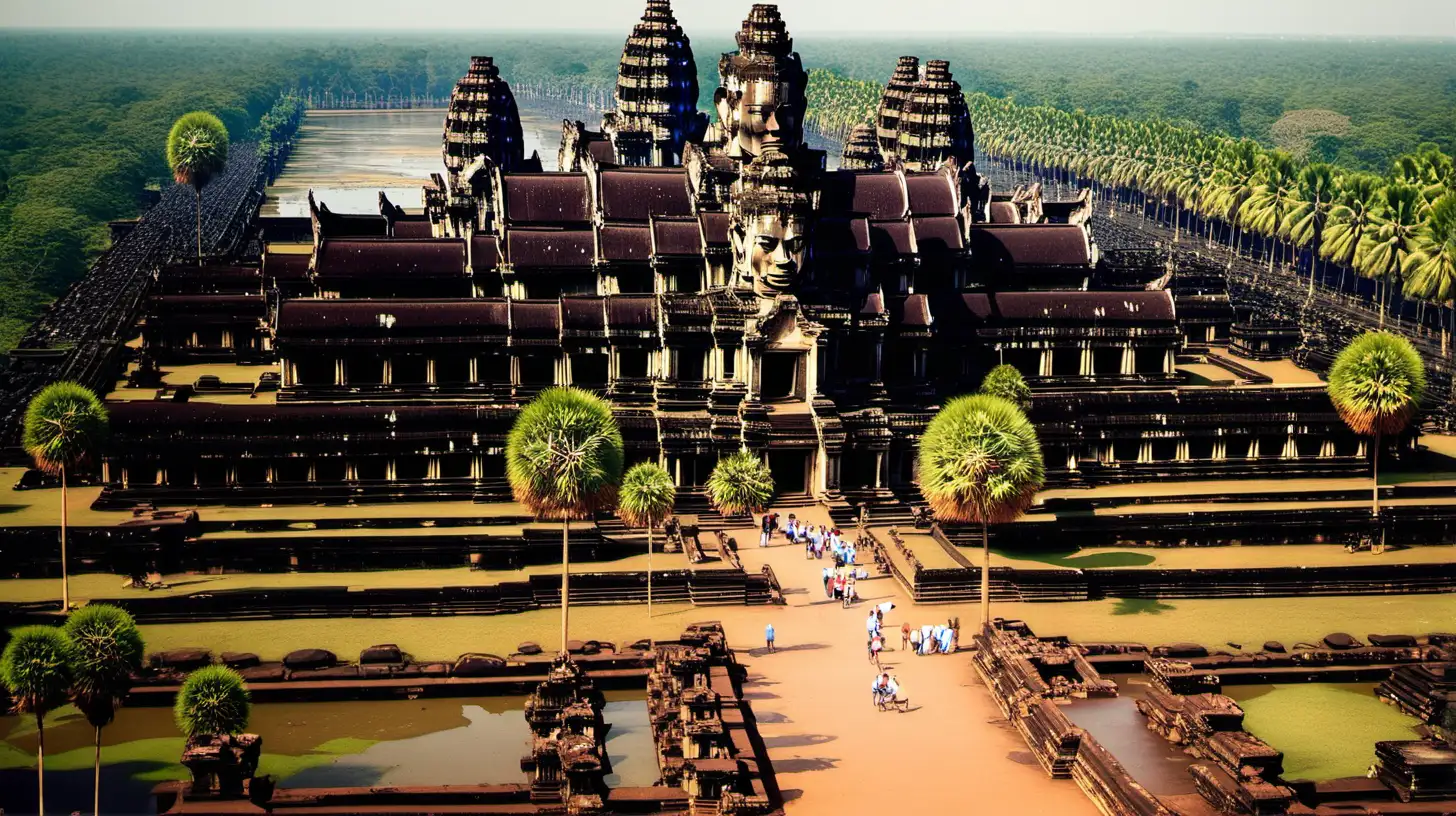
[482, 121]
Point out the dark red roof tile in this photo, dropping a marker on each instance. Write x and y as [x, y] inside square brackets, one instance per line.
[319, 318]
[391, 258]
[625, 243]
[1111, 307]
[879, 195]
[1030, 245]
[931, 193]
[636, 194]
[526, 248]
[677, 236]
[547, 198]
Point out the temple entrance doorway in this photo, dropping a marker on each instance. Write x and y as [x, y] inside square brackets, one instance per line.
[790, 472]
[780, 375]
[691, 469]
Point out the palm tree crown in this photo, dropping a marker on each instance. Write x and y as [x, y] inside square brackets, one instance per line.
[1006, 382]
[63, 425]
[980, 461]
[647, 496]
[740, 483]
[564, 454]
[197, 148]
[213, 700]
[1430, 270]
[108, 648]
[36, 668]
[1377, 383]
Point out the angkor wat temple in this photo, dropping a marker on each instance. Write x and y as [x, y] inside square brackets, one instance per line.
[723, 287]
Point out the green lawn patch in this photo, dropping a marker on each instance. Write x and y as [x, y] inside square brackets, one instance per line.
[1326, 730]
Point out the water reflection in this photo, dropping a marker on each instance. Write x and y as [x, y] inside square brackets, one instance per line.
[1159, 765]
[397, 742]
[347, 157]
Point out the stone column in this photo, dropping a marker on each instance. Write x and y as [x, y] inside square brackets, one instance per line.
[1220, 450]
[474, 372]
[1182, 454]
[1044, 367]
[430, 373]
[1145, 451]
[1129, 360]
[1168, 361]
[386, 376]
[1085, 365]
[339, 371]
[880, 467]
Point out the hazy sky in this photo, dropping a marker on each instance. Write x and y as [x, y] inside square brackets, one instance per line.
[1295, 18]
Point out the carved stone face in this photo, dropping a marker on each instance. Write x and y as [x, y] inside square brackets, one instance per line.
[769, 250]
[759, 115]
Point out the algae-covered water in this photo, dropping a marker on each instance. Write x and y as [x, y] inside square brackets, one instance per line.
[1326, 730]
[396, 742]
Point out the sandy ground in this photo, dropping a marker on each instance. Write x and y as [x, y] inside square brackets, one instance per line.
[834, 753]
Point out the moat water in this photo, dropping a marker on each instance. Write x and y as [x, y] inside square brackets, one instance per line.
[347, 157]
[307, 745]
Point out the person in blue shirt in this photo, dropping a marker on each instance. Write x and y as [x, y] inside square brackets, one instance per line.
[768, 635]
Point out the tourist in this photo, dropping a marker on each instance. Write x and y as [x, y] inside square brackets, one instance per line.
[810, 541]
[915, 640]
[767, 531]
[768, 635]
[877, 644]
[885, 608]
[927, 642]
[877, 689]
[792, 531]
[850, 593]
[905, 635]
[893, 695]
[872, 625]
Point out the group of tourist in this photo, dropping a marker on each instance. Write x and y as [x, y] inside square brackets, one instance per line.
[930, 638]
[816, 539]
[839, 583]
[886, 693]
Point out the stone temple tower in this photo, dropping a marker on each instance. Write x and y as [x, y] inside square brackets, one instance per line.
[935, 123]
[762, 98]
[657, 92]
[902, 84]
[862, 150]
[482, 121]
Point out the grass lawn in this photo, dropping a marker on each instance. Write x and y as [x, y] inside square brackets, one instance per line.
[1326, 730]
[1248, 621]
[442, 638]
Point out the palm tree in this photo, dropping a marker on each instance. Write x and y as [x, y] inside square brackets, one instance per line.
[197, 149]
[1376, 385]
[646, 501]
[1006, 382]
[1349, 219]
[108, 648]
[564, 457]
[1395, 214]
[1304, 224]
[214, 700]
[1270, 198]
[1430, 271]
[36, 670]
[64, 424]
[980, 461]
[740, 483]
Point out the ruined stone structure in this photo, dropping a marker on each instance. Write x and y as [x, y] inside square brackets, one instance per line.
[568, 760]
[745, 297]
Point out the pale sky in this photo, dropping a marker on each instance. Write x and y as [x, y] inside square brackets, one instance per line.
[715, 18]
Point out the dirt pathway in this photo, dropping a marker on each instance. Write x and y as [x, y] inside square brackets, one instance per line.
[834, 753]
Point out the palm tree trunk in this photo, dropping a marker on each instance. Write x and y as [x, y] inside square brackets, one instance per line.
[649, 571]
[65, 578]
[565, 571]
[198, 190]
[1375, 478]
[40, 762]
[985, 577]
[96, 788]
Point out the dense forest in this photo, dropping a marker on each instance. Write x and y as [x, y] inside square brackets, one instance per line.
[83, 116]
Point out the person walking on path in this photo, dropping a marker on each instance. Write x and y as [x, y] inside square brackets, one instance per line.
[767, 531]
[877, 644]
[768, 635]
[877, 689]
[905, 635]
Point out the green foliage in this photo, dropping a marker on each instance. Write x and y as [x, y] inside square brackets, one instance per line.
[564, 454]
[36, 669]
[980, 461]
[1377, 383]
[108, 648]
[740, 483]
[213, 700]
[197, 148]
[647, 495]
[1006, 382]
[64, 423]
[1430, 269]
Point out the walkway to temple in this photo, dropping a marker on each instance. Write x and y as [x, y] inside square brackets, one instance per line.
[834, 753]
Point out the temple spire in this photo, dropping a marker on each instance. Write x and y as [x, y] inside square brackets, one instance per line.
[482, 121]
[657, 92]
